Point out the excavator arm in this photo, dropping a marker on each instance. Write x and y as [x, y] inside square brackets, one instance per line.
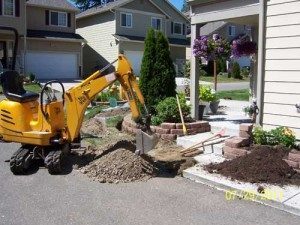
[79, 97]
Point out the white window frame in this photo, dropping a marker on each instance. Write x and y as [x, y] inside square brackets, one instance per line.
[58, 12]
[230, 31]
[156, 18]
[14, 9]
[181, 24]
[131, 18]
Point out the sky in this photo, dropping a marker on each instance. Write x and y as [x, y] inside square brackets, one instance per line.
[177, 3]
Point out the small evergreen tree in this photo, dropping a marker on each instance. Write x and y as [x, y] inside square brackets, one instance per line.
[163, 83]
[236, 71]
[148, 62]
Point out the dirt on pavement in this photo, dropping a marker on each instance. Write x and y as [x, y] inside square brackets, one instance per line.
[264, 164]
[111, 158]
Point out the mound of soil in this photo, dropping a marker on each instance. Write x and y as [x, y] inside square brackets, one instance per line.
[115, 112]
[263, 165]
[120, 165]
[93, 127]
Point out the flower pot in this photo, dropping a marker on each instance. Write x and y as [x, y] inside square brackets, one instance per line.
[214, 106]
[201, 111]
[206, 109]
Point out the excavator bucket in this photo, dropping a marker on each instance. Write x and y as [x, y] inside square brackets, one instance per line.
[145, 142]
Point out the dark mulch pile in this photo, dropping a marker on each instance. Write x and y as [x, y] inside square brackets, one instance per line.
[263, 165]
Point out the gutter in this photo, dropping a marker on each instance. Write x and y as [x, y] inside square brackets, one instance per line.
[59, 39]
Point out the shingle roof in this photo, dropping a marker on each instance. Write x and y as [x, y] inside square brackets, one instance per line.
[172, 41]
[102, 8]
[59, 4]
[52, 34]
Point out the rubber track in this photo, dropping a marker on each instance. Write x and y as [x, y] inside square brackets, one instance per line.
[17, 161]
[53, 162]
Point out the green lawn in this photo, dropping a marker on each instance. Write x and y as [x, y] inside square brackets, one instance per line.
[241, 95]
[28, 87]
[223, 79]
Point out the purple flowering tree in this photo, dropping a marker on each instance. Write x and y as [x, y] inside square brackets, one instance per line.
[211, 49]
[243, 47]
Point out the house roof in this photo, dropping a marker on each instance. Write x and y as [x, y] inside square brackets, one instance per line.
[102, 8]
[59, 4]
[52, 34]
[172, 41]
[116, 4]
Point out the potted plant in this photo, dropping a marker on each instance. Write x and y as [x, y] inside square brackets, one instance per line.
[206, 96]
[214, 103]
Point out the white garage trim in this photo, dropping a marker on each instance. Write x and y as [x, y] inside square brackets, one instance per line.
[49, 65]
[135, 58]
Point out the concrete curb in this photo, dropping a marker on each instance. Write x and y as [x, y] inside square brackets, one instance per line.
[221, 187]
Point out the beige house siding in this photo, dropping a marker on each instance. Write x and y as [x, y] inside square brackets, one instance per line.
[142, 12]
[282, 69]
[16, 22]
[131, 46]
[176, 17]
[36, 20]
[101, 46]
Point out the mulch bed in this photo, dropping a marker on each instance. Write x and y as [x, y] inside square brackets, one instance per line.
[263, 165]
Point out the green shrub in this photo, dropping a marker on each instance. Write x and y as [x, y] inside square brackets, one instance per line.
[106, 95]
[236, 71]
[278, 136]
[167, 110]
[206, 94]
[156, 121]
[31, 77]
[245, 72]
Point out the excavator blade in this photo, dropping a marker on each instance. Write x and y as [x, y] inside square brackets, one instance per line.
[145, 142]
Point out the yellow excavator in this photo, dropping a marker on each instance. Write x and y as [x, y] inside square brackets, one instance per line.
[48, 128]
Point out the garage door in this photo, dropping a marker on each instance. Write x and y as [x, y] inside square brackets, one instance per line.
[49, 66]
[135, 57]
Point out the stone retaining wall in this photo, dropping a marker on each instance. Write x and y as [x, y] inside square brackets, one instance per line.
[293, 160]
[168, 131]
[237, 146]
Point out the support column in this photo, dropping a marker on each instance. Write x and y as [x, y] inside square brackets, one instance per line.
[253, 66]
[194, 79]
[261, 60]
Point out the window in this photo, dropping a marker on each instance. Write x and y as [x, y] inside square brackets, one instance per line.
[8, 7]
[58, 19]
[178, 28]
[156, 23]
[126, 20]
[231, 31]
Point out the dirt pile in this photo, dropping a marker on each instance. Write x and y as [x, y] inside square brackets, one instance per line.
[120, 164]
[263, 165]
[117, 163]
[93, 127]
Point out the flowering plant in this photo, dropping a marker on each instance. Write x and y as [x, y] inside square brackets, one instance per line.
[211, 48]
[242, 47]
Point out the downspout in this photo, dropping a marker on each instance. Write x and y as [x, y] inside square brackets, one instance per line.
[261, 60]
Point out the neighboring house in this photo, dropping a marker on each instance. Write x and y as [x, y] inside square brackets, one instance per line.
[48, 44]
[276, 28]
[121, 27]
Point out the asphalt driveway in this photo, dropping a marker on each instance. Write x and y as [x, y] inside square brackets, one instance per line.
[40, 198]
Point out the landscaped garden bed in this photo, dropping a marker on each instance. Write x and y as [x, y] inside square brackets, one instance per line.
[259, 156]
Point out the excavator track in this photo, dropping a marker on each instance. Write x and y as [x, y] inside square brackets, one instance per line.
[53, 162]
[18, 165]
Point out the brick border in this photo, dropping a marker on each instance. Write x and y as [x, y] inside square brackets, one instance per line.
[168, 131]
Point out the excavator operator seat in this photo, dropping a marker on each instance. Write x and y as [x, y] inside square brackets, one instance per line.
[12, 84]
